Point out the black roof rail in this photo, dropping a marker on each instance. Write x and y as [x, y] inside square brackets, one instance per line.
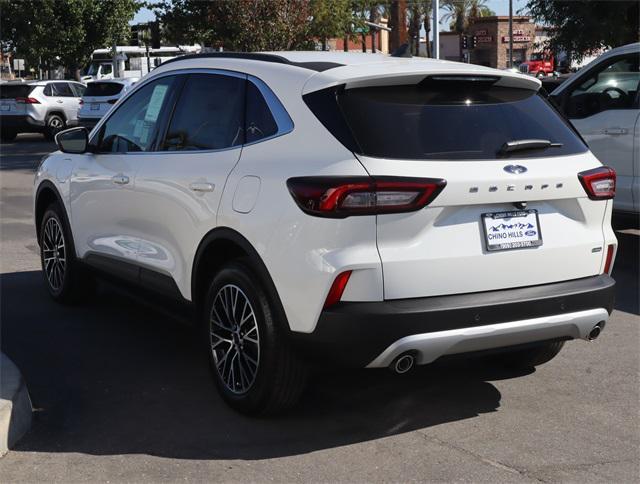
[257, 56]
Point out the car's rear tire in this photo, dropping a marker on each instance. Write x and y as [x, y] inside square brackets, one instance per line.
[54, 124]
[8, 134]
[255, 369]
[531, 356]
[66, 280]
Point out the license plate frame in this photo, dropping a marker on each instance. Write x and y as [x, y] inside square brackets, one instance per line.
[510, 242]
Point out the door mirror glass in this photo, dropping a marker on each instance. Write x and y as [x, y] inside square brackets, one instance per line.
[74, 140]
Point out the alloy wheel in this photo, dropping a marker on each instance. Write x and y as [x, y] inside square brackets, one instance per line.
[234, 338]
[54, 257]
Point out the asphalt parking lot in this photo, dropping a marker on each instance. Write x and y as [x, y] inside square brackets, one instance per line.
[122, 392]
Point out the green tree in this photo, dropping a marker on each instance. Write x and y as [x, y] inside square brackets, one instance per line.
[64, 32]
[329, 19]
[459, 12]
[581, 27]
[241, 25]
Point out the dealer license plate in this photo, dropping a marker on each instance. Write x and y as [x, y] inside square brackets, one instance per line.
[95, 106]
[511, 230]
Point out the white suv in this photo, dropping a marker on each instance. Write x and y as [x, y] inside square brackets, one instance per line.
[45, 107]
[348, 209]
[99, 98]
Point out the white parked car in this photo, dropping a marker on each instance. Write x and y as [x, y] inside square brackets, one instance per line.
[349, 209]
[99, 98]
[38, 107]
[602, 101]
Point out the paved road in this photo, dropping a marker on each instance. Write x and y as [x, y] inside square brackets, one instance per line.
[123, 394]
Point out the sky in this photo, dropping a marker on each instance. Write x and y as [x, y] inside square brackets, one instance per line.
[500, 7]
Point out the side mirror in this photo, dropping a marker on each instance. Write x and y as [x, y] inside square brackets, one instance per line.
[74, 140]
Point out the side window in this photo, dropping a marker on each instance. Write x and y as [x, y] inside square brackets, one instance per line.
[62, 89]
[47, 90]
[209, 114]
[613, 85]
[106, 69]
[134, 125]
[259, 120]
[78, 89]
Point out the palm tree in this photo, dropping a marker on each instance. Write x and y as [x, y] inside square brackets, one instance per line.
[460, 11]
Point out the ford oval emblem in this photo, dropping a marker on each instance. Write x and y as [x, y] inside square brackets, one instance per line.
[515, 169]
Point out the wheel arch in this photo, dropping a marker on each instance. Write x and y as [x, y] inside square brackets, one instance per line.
[56, 112]
[46, 194]
[224, 244]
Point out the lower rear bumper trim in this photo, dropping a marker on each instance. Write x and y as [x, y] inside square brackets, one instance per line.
[431, 346]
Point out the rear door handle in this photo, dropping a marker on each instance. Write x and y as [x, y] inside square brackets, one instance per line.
[614, 131]
[60, 101]
[201, 187]
[120, 179]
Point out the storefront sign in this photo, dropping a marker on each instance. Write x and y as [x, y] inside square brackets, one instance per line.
[516, 38]
[481, 32]
[484, 39]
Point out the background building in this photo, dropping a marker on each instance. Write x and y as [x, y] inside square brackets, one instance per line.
[492, 35]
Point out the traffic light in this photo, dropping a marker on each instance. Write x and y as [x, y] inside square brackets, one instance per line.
[474, 42]
[465, 42]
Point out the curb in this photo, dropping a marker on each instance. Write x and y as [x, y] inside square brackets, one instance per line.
[15, 405]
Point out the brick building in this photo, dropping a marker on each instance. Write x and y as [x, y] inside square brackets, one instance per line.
[492, 35]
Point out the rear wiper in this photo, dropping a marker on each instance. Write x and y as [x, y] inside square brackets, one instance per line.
[527, 144]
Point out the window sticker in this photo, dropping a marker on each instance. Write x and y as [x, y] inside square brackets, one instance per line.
[137, 130]
[155, 103]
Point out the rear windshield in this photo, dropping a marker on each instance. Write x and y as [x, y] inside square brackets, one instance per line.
[103, 89]
[449, 120]
[14, 91]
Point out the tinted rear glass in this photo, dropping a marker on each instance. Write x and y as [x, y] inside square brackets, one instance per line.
[12, 92]
[103, 89]
[451, 120]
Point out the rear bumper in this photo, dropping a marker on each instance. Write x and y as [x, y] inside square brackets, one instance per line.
[23, 123]
[374, 333]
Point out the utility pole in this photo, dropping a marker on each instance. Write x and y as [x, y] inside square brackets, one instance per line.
[436, 29]
[510, 34]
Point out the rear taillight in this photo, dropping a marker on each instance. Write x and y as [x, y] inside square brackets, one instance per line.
[599, 183]
[609, 259]
[27, 100]
[81, 102]
[337, 289]
[338, 197]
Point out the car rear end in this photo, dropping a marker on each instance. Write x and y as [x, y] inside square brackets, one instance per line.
[492, 217]
[21, 107]
[98, 99]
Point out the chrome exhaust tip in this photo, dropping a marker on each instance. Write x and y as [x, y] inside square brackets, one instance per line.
[403, 363]
[595, 332]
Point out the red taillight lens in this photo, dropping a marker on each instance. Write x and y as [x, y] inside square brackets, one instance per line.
[609, 259]
[81, 102]
[337, 288]
[599, 183]
[338, 197]
[27, 100]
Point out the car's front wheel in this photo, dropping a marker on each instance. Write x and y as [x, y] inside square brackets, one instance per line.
[54, 124]
[66, 280]
[255, 369]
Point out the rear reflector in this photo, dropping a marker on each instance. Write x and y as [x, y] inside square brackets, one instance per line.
[338, 197]
[599, 183]
[337, 288]
[27, 100]
[609, 259]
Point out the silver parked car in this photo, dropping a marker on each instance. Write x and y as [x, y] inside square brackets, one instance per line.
[99, 97]
[38, 107]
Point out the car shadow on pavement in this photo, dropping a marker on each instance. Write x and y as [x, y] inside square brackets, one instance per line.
[114, 376]
[626, 274]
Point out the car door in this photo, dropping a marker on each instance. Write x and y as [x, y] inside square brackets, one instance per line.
[104, 212]
[603, 106]
[179, 187]
[64, 96]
